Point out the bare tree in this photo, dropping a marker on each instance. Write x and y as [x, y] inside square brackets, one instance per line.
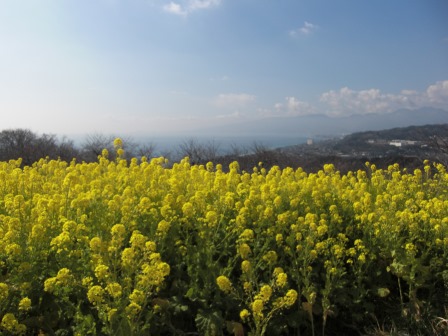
[94, 145]
[46, 145]
[67, 150]
[147, 150]
[199, 152]
[237, 150]
[259, 149]
[211, 150]
[168, 154]
[265, 155]
[440, 144]
[18, 143]
[25, 144]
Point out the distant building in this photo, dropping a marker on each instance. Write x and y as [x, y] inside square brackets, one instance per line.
[396, 143]
[399, 143]
[309, 141]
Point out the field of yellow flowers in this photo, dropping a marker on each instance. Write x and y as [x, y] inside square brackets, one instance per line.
[134, 247]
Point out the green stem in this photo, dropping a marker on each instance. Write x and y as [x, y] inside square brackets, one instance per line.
[401, 294]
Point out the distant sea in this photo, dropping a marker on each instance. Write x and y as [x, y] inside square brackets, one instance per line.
[170, 144]
[224, 144]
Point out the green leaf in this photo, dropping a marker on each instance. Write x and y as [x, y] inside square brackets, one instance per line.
[190, 293]
[383, 292]
[122, 328]
[209, 323]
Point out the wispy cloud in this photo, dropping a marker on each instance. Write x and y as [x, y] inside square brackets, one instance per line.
[233, 99]
[202, 4]
[306, 29]
[174, 8]
[183, 8]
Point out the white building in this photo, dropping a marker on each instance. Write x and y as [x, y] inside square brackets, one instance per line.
[396, 143]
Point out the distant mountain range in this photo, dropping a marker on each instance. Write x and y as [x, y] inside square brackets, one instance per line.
[325, 126]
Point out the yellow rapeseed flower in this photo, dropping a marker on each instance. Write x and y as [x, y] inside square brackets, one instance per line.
[118, 143]
[290, 297]
[102, 272]
[257, 307]
[279, 238]
[10, 324]
[25, 304]
[188, 209]
[265, 293]
[137, 296]
[118, 230]
[245, 266]
[3, 291]
[212, 218]
[50, 284]
[244, 315]
[244, 250]
[247, 234]
[247, 286]
[270, 257]
[281, 280]
[114, 289]
[224, 284]
[132, 310]
[96, 295]
[163, 227]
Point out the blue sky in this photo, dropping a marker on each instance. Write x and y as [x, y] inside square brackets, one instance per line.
[161, 67]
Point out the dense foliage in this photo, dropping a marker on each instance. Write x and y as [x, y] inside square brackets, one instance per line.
[120, 247]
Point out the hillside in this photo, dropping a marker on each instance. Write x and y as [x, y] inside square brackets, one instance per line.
[408, 146]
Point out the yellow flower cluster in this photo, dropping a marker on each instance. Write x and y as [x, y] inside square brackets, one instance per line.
[10, 324]
[224, 284]
[109, 234]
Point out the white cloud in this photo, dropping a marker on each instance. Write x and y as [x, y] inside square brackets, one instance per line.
[293, 107]
[202, 4]
[233, 99]
[174, 8]
[184, 8]
[296, 107]
[306, 29]
[342, 102]
[437, 94]
[347, 101]
[278, 106]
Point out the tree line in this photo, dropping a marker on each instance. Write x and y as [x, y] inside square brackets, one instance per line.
[31, 146]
